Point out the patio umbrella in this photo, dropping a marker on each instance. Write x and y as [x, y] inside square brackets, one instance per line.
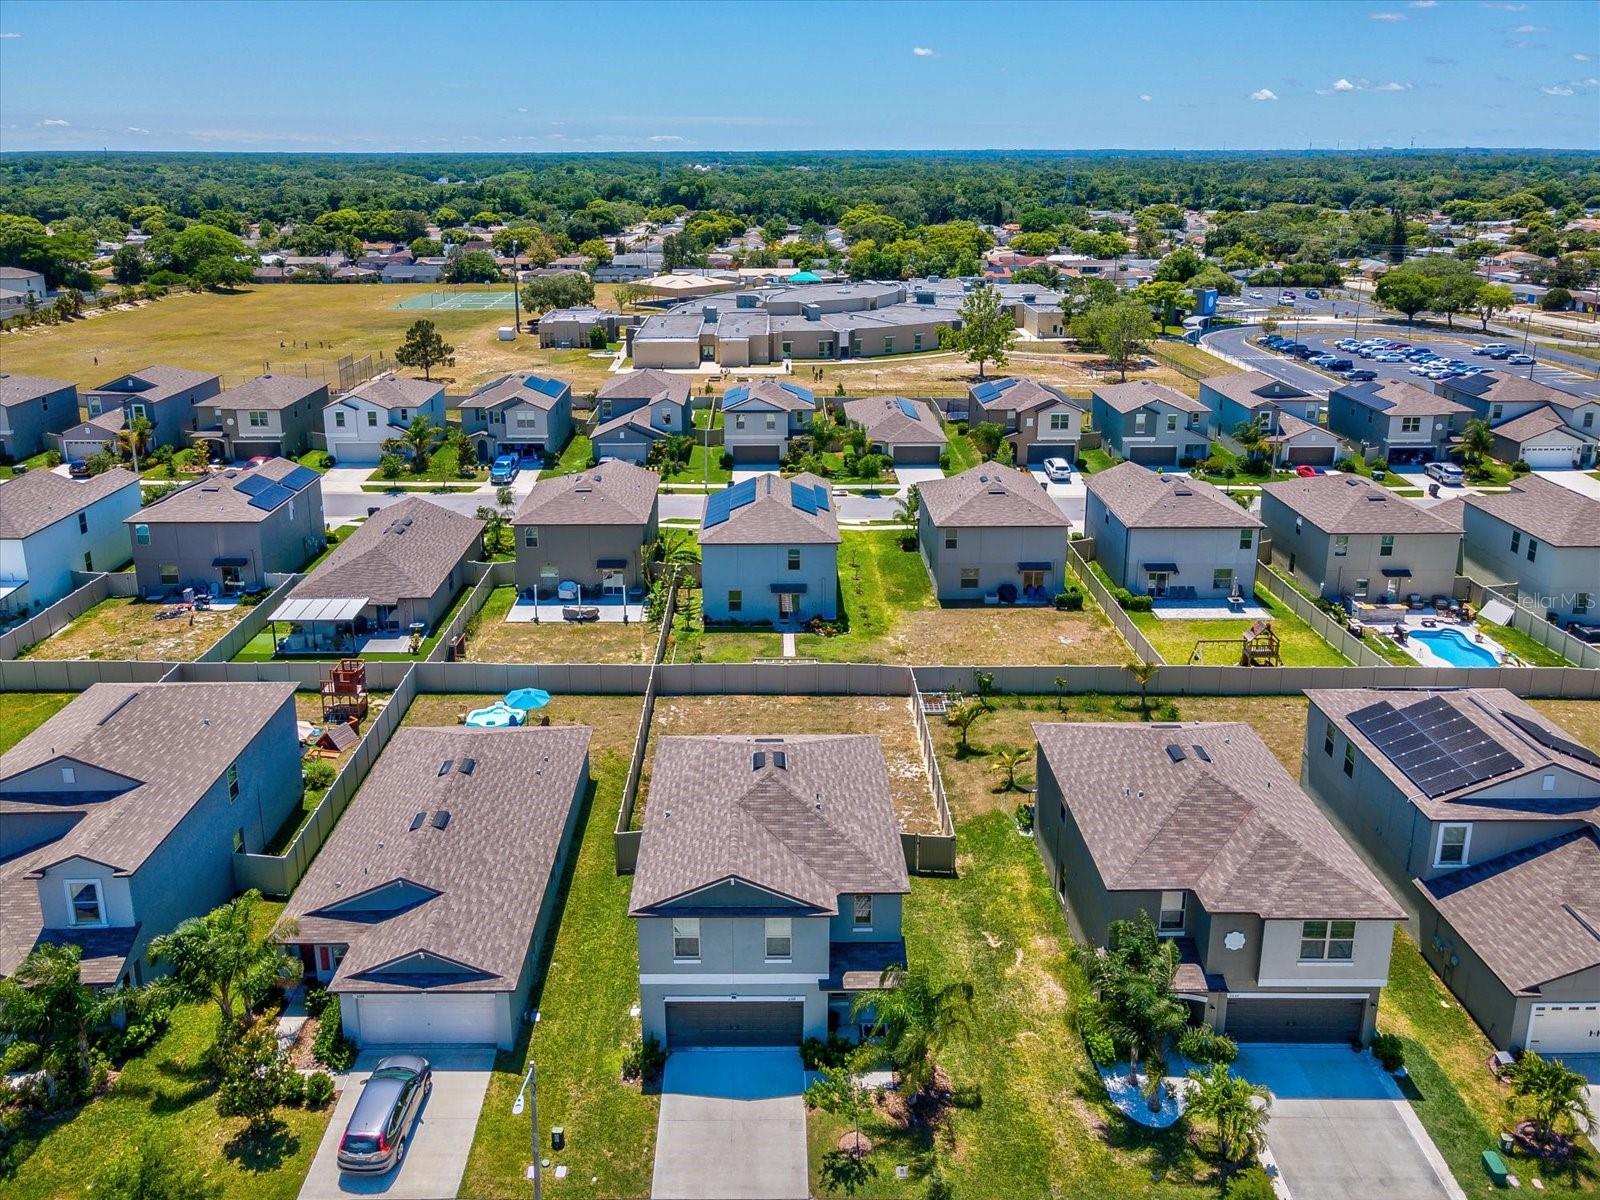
[528, 698]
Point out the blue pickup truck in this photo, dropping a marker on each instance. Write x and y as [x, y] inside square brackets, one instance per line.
[504, 469]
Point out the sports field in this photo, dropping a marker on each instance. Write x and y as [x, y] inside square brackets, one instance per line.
[457, 301]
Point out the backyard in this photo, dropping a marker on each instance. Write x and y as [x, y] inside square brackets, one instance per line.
[126, 627]
[23, 712]
[499, 640]
[263, 646]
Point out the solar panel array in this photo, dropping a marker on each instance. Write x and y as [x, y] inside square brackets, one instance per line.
[1552, 741]
[986, 392]
[908, 408]
[549, 387]
[253, 485]
[794, 389]
[298, 478]
[271, 496]
[1436, 747]
[721, 505]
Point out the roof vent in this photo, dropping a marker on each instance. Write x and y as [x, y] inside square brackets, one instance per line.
[416, 821]
[118, 707]
[444, 767]
[1175, 752]
[468, 766]
[780, 760]
[1201, 753]
[1182, 491]
[758, 760]
[441, 818]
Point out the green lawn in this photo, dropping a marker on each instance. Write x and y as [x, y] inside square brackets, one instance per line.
[443, 467]
[1091, 462]
[39, 462]
[1175, 640]
[23, 712]
[262, 647]
[317, 460]
[963, 454]
[1240, 475]
[835, 461]
[181, 460]
[1524, 647]
[877, 580]
[1187, 358]
[168, 1093]
[590, 983]
[576, 457]
[696, 469]
[703, 415]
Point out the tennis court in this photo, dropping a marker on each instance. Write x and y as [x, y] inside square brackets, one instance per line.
[459, 301]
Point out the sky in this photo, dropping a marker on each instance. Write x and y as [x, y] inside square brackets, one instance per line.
[702, 77]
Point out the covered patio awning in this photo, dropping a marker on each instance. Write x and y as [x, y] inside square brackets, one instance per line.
[610, 564]
[1397, 572]
[1162, 568]
[305, 611]
[1036, 566]
[789, 589]
[230, 562]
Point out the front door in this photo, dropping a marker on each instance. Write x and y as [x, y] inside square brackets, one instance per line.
[786, 606]
[1158, 583]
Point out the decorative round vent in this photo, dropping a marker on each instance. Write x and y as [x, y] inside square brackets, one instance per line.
[1234, 940]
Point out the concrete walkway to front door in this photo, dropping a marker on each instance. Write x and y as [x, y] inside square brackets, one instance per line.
[732, 1125]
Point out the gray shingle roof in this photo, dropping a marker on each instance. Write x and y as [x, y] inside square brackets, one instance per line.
[406, 551]
[37, 500]
[268, 392]
[991, 495]
[614, 493]
[216, 498]
[1353, 504]
[1021, 394]
[1531, 916]
[1534, 423]
[886, 421]
[489, 868]
[21, 389]
[1555, 515]
[1252, 389]
[390, 391]
[772, 517]
[1134, 395]
[1236, 831]
[772, 393]
[651, 385]
[1499, 388]
[820, 825]
[1396, 398]
[1141, 499]
[163, 381]
[524, 387]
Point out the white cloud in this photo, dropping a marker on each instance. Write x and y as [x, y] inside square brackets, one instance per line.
[1528, 29]
[1560, 89]
[922, 51]
[136, 129]
[54, 124]
[1506, 7]
[1145, 96]
[1386, 16]
[1264, 94]
[1343, 85]
[666, 137]
[9, 36]
[522, 110]
[1579, 56]
[1424, 3]
[1392, 86]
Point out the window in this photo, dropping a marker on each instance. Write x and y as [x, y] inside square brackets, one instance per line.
[686, 938]
[1548, 783]
[780, 939]
[530, 535]
[1516, 540]
[1497, 412]
[1410, 424]
[1588, 419]
[772, 422]
[238, 841]
[1060, 422]
[1454, 843]
[1386, 546]
[1299, 524]
[83, 522]
[738, 421]
[69, 775]
[1581, 602]
[372, 419]
[141, 534]
[1171, 912]
[863, 912]
[1341, 545]
[1172, 422]
[258, 419]
[403, 415]
[735, 601]
[233, 781]
[951, 539]
[84, 906]
[169, 574]
[88, 561]
[1533, 549]
[794, 559]
[1350, 759]
[916, 344]
[1139, 420]
[136, 410]
[1222, 579]
[1327, 740]
[1246, 538]
[888, 345]
[1327, 941]
[969, 577]
[1362, 585]
[338, 420]
[788, 350]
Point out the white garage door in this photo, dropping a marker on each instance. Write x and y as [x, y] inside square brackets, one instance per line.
[1565, 1029]
[1548, 458]
[421, 1019]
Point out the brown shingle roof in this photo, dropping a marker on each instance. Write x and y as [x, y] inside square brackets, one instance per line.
[1353, 504]
[886, 421]
[1533, 423]
[1556, 515]
[819, 825]
[650, 384]
[216, 498]
[487, 870]
[37, 500]
[991, 495]
[391, 391]
[1396, 398]
[1532, 916]
[1132, 396]
[20, 389]
[1253, 389]
[269, 392]
[614, 493]
[1141, 499]
[406, 551]
[1233, 828]
[773, 518]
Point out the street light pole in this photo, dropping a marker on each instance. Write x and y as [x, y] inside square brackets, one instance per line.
[516, 308]
[530, 1086]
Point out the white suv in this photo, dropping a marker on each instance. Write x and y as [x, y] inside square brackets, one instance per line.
[1058, 470]
[1447, 473]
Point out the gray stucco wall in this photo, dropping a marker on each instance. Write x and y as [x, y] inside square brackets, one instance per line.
[280, 543]
[55, 552]
[1431, 558]
[1555, 577]
[752, 570]
[995, 554]
[571, 552]
[30, 425]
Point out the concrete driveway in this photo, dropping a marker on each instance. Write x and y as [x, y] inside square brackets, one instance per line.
[906, 476]
[1341, 1128]
[732, 1125]
[436, 1155]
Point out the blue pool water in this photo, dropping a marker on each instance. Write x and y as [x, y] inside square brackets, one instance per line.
[1455, 648]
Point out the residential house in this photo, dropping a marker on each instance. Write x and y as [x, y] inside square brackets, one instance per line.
[1041, 421]
[908, 431]
[32, 411]
[524, 414]
[1241, 397]
[1482, 814]
[566, 328]
[169, 397]
[399, 571]
[52, 526]
[1542, 537]
[759, 419]
[226, 532]
[358, 423]
[1170, 536]
[595, 528]
[121, 815]
[992, 533]
[1343, 535]
[769, 552]
[268, 415]
[1545, 441]
[638, 409]
[1151, 424]
[412, 272]
[633, 390]
[1396, 422]
[1283, 932]
[1545, 427]
[426, 910]
[18, 284]
[768, 888]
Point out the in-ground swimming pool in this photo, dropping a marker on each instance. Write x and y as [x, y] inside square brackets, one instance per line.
[1456, 648]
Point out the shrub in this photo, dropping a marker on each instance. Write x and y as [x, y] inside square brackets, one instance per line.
[1070, 600]
[19, 1056]
[944, 460]
[1204, 1045]
[1380, 464]
[727, 459]
[317, 997]
[817, 1055]
[1097, 1040]
[52, 458]
[318, 1089]
[1253, 1184]
[1520, 467]
[1389, 1051]
[330, 1047]
[1347, 463]
[1168, 711]
[1025, 818]
[319, 775]
[939, 1188]
[643, 1059]
[294, 1088]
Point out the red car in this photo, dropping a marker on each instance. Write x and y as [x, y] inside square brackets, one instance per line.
[257, 461]
[1305, 472]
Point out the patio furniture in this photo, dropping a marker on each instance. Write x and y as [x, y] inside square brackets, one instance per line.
[580, 612]
[567, 589]
[527, 698]
[1497, 1169]
[1414, 600]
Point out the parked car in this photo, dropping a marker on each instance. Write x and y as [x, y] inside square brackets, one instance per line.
[1499, 355]
[1490, 348]
[504, 469]
[1361, 375]
[375, 1136]
[1340, 364]
[1323, 360]
[1313, 294]
[1287, 296]
[1306, 471]
[1058, 470]
[1299, 350]
[78, 469]
[1520, 360]
[1446, 473]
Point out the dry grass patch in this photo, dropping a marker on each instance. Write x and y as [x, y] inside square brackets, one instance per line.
[888, 717]
[614, 719]
[494, 639]
[1002, 637]
[1581, 718]
[123, 627]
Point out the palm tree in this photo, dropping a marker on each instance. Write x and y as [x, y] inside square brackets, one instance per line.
[133, 436]
[46, 1002]
[676, 546]
[1133, 982]
[1477, 441]
[1006, 762]
[1555, 1095]
[220, 957]
[915, 1019]
[419, 439]
[963, 714]
[1236, 1107]
[1143, 672]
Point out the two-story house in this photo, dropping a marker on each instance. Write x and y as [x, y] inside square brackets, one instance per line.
[1283, 932]
[1547, 428]
[51, 526]
[1041, 421]
[768, 888]
[1240, 397]
[168, 397]
[426, 909]
[358, 423]
[769, 552]
[1542, 537]
[1394, 421]
[1151, 424]
[121, 814]
[595, 528]
[523, 414]
[992, 532]
[1482, 813]
[635, 410]
[908, 431]
[1157, 534]
[758, 420]
[32, 411]
[1344, 535]
[267, 415]
[225, 533]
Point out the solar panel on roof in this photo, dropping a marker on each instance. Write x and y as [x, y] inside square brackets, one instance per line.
[803, 498]
[1553, 741]
[822, 497]
[908, 408]
[1434, 745]
[550, 387]
[253, 485]
[298, 478]
[717, 509]
[271, 498]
